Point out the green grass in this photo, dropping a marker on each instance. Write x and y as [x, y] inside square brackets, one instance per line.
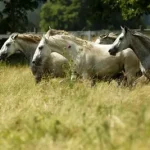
[58, 115]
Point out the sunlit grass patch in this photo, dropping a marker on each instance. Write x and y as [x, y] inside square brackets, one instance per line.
[57, 114]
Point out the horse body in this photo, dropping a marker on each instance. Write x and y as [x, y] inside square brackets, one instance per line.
[100, 65]
[90, 60]
[27, 44]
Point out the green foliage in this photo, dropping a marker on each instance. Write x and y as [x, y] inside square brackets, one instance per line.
[74, 14]
[130, 8]
[14, 14]
[92, 14]
[62, 14]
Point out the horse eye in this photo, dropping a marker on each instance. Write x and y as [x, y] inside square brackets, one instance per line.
[69, 46]
[41, 47]
[8, 44]
[121, 38]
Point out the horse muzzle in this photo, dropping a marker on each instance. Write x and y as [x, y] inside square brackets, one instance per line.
[37, 62]
[3, 56]
[113, 51]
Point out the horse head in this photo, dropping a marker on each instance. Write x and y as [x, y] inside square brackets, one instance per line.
[42, 52]
[9, 47]
[121, 42]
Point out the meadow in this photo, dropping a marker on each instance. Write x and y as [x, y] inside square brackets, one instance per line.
[60, 115]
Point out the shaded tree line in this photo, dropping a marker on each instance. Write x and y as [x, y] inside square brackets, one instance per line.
[93, 14]
[13, 17]
[74, 14]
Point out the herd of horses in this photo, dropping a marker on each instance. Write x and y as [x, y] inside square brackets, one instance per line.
[125, 57]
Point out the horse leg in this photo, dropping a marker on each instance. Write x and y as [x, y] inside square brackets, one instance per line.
[38, 79]
[142, 80]
[94, 79]
[131, 71]
[93, 82]
[73, 75]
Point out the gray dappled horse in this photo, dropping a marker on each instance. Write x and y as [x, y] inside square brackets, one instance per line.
[109, 39]
[138, 42]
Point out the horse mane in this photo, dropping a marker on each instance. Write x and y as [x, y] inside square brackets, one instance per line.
[75, 39]
[52, 32]
[29, 37]
[68, 37]
[110, 35]
[142, 37]
[135, 33]
[56, 40]
[84, 43]
[65, 35]
[145, 40]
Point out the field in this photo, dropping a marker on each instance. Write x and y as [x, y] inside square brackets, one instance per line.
[59, 115]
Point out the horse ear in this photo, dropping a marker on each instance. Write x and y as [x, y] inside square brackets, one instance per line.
[50, 28]
[45, 38]
[126, 29]
[14, 36]
[122, 28]
[107, 34]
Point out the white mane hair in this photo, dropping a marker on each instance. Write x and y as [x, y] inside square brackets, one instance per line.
[53, 32]
[58, 39]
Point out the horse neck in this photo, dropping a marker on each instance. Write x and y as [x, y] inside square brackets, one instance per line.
[141, 51]
[102, 47]
[70, 54]
[27, 48]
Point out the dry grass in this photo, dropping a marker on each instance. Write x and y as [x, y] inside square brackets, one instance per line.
[67, 116]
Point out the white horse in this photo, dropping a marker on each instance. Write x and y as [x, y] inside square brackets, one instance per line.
[27, 43]
[139, 43]
[90, 60]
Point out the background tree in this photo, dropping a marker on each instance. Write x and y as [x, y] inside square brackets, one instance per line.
[65, 14]
[130, 8]
[14, 14]
[92, 14]
[113, 13]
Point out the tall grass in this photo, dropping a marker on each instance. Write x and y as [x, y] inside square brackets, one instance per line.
[57, 115]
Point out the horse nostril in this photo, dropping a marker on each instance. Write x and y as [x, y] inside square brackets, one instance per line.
[112, 52]
[3, 56]
[37, 62]
[33, 62]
